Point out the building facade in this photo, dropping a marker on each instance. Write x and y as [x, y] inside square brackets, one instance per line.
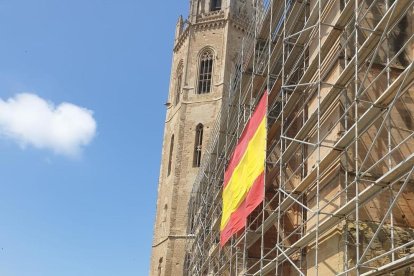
[206, 46]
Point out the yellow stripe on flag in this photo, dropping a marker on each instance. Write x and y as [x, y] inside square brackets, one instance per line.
[250, 167]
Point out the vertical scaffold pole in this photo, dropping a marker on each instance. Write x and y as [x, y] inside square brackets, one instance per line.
[318, 158]
[356, 102]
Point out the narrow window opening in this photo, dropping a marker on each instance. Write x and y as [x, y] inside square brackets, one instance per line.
[198, 145]
[215, 5]
[178, 86]
[164, 217]
[178, 90]
[205, 74]
[170, 156]
[160, 266]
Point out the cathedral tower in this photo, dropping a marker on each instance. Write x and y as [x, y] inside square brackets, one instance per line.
[206, 46]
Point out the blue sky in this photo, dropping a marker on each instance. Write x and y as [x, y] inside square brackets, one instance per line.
[92, 214]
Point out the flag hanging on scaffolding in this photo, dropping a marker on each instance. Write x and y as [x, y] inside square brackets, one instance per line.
[243, 187]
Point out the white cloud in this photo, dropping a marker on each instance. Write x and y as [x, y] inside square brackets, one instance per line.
[31, 120]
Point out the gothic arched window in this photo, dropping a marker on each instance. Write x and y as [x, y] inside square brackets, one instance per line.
[215, 5]
[178, 84]
[170, 156]
[205, 74]
[198, 145]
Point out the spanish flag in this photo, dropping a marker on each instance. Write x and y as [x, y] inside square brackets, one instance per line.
[243, 187]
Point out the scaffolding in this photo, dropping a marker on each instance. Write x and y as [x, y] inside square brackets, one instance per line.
[339, 194]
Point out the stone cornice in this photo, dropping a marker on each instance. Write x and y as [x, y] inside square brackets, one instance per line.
[210, 25]
[210, 16]
[203, 26]
[210, 21]
[207, 21]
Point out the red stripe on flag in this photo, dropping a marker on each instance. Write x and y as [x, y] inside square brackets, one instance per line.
[238, 218]
[246, 136]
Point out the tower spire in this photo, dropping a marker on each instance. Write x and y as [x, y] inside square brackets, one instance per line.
[179, 27]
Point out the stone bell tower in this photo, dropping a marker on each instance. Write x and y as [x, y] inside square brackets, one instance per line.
[205, 49]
